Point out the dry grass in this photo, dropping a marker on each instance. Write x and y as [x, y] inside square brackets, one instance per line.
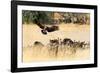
[32, 33]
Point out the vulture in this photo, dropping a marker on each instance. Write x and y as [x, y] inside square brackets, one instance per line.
[45, 29]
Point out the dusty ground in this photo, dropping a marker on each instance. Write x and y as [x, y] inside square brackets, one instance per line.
[32, 33]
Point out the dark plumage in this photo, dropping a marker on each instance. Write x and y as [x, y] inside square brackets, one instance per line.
[46, 29]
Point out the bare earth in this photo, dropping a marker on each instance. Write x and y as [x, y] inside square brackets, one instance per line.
[32, 33]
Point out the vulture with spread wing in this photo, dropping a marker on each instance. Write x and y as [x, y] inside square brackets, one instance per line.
[46, 29]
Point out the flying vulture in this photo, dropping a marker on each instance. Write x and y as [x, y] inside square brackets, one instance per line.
[46, 29]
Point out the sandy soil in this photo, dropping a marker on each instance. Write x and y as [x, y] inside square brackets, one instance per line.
[32, 33]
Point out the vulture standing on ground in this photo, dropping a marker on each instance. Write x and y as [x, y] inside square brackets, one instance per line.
[46, 29]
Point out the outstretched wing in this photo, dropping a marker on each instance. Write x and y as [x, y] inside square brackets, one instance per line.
[39, 24]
